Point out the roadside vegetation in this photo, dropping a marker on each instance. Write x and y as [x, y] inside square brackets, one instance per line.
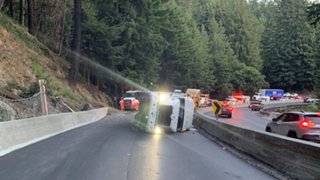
[219, 46]
[306, 108]
[24, 60]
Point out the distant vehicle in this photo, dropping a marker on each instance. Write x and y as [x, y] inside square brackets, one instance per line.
[274, 94]
[284, 98]
[302, 125]
[312, 100]
[288, 96]
[297, 98]
[231, 100]
[261, 98]
[204, 100]
[131, 100]
[226, 110]
[255, 105]
[305, 100]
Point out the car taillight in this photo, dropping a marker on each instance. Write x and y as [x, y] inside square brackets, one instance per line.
[229, 108]
[306, 123]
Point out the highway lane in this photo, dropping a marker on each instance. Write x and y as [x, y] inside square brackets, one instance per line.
[245, 118]
[112, 149]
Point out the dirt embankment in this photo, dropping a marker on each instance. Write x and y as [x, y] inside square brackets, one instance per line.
[24, 60]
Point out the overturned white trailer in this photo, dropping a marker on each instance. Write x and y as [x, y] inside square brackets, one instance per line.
[165, 111]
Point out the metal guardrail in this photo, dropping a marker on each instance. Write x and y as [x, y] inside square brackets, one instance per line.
[268, 111]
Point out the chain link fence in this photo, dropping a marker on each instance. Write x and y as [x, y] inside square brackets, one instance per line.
[11, 109]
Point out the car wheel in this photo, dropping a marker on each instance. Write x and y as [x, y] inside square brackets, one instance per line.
[292, 134]
[230, 116]
[268, 129]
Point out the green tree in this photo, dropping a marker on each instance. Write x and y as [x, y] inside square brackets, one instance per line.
[314, 13]
[248, 80]
[184, 63]
[288, 44]
[241, 30]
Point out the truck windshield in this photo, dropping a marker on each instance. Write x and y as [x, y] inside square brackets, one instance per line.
[129, 95]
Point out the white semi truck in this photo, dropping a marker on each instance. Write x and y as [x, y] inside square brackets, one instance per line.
[165, 111]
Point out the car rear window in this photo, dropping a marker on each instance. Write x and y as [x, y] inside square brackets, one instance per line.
[256, 102]
[314, 118]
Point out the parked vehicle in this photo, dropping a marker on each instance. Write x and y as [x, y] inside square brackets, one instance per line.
[302, 125]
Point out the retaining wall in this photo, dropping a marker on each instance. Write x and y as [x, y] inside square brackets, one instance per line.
[296, 158]
[19, 133]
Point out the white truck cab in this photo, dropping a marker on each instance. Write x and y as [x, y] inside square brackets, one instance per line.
[173, 111]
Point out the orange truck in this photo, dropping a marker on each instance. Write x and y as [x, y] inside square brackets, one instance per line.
[130, 101]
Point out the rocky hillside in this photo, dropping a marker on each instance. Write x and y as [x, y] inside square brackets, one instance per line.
[24, 60]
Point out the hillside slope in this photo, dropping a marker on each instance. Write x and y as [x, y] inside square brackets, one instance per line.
[24, 60]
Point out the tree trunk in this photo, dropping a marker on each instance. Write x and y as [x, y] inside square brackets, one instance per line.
[76, 44]
[11, 8]
[62, 27]
[31, 17]
[1, 3]
[21, 15]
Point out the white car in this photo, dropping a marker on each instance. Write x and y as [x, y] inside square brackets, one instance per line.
[231, 101]
[302, 125]
[261, 98]
[312, 100]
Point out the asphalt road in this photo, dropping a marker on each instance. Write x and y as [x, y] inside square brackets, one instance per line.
[112, 150]
[245, 118]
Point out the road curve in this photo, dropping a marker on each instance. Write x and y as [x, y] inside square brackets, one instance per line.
[111, 149]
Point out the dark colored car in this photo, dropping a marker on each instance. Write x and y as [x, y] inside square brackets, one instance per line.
[226, 110]
[305, 100]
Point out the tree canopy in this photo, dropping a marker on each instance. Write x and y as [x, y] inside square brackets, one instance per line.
[218, 46]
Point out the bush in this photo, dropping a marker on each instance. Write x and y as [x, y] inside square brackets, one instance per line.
[33, 89]
[4, 115]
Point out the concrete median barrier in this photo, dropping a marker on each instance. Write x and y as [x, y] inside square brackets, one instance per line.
[19, 133]
[296, 158]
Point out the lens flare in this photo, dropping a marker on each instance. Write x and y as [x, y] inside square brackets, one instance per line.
[157, 130]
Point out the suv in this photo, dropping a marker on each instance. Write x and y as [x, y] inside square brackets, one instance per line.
[302, 125]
